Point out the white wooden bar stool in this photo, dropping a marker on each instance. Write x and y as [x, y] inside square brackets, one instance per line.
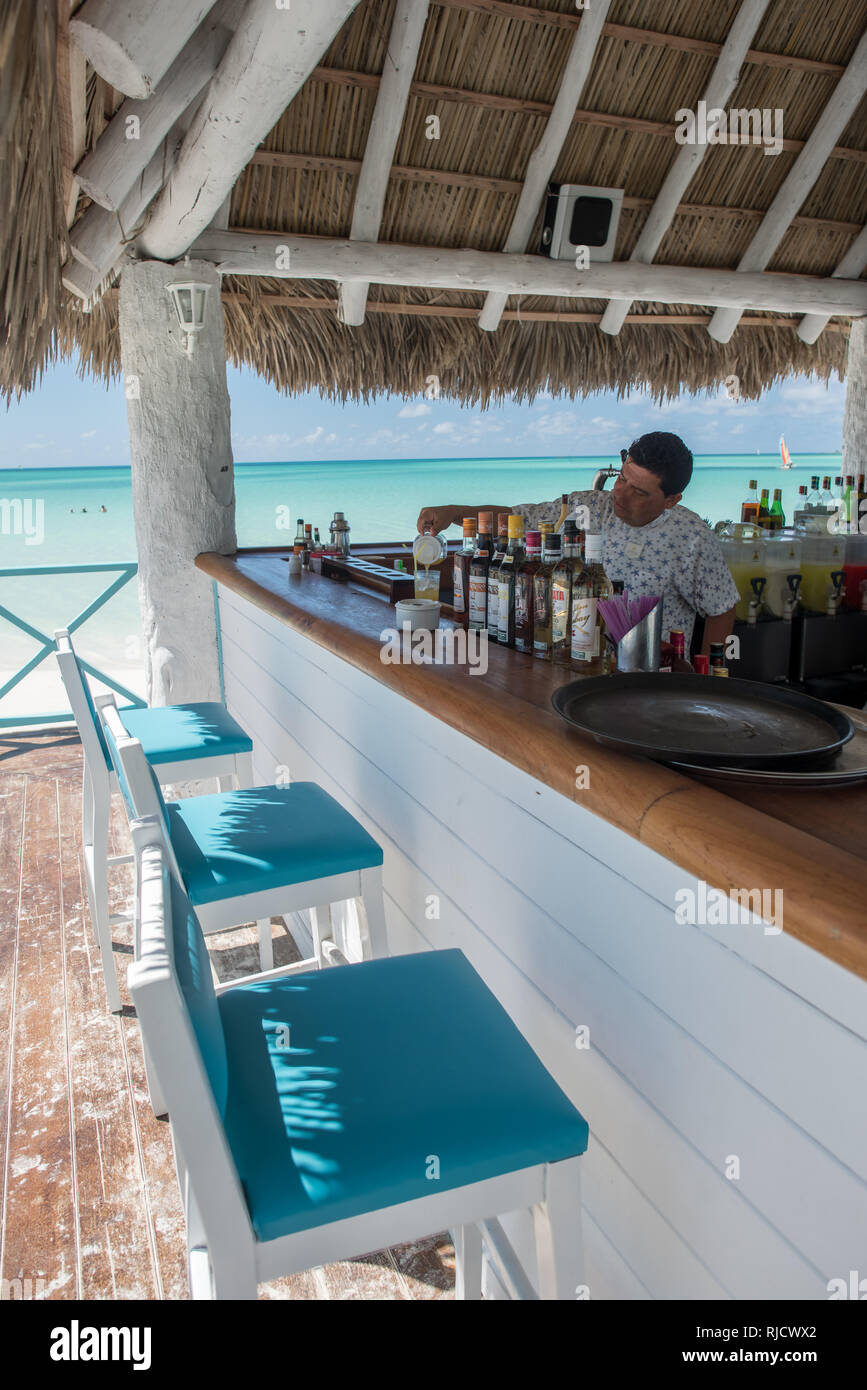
[181, 742]
[323, 1115]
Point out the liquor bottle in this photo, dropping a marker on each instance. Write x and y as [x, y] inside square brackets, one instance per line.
[308, 535]
[679, 663]
[850, 502]
[317, 544]
[750, 508]
[827, 496]
[564, 509]
[543, 598]
[524, 611]
[717, 656]
[590, 651]
[494, 578]
[461, 574]
[764, 509]
[506, 585]
[778, 516]
[299, 531]
[814, 497]
[569, 565]
[479, 565]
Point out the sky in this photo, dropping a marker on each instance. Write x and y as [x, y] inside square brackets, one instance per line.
[70, 422]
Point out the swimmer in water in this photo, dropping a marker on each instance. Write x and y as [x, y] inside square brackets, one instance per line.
[84, 509]
[103, 509]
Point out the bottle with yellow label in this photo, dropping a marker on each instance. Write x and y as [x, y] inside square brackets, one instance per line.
[591, 653]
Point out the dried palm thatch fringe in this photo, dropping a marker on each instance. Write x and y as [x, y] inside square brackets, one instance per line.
[32, 227]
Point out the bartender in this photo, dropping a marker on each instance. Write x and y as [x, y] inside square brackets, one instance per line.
[650, 542]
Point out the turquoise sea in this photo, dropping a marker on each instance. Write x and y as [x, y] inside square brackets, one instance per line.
[381, 499]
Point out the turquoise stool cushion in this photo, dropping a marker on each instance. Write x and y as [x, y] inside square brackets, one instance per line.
[181, 733]
[234, 843]
[386, 1066]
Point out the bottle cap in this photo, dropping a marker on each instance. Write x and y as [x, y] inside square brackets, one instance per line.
[469, 525]
[516, 526]
[719, 671]
[754, 482]
[534, 540]
[592, 547]
[485, 520]
[338, 516]
[553, 541]
[546, 527]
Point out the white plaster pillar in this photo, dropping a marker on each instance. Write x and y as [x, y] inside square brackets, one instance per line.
[182, 474]
[855, 413]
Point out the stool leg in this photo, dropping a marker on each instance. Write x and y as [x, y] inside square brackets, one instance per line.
[468, 1262]
[320, 921]
[266, 946]
[244, 770]
[559, 1241]
[374, 939]
[96, 873]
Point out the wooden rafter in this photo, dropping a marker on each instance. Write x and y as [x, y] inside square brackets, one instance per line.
[269, 58]
[585, 43]
[71, 107]
[839, 110]
[723, 81]
[851, 267]
[110, 171]
[404, 42]
[324, 258]
[132, 46]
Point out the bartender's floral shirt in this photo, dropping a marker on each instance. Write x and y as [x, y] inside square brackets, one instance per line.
[677, 555]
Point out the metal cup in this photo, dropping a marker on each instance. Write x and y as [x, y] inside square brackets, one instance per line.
[639, 649]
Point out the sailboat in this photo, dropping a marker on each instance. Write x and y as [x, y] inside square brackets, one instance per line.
[784, 453]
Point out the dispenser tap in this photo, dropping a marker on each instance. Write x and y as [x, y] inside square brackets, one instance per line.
[835, 597]
[758, 587]
[791, 603]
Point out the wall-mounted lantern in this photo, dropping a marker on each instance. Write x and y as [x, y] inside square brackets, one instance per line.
[189, 298]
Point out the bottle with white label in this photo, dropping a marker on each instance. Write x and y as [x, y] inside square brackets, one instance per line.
[590, 653]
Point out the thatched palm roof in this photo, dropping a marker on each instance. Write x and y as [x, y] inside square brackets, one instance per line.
[490, 71]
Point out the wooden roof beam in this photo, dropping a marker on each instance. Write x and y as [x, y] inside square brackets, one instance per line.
[851, 267]
[651, 37]
[544, 157]
[722, 83]
[132, 46]
[503, 273]
[111, 169]
[269, 58]
[72, 107]
[401, 56]
[839, 110]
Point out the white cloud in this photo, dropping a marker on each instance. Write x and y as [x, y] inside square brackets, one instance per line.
[88, 434]
[554, 424]
[313, 436]
[445, 428]
[413, 411]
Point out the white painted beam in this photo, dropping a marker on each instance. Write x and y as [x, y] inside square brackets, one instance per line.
[850, 268]
[855, 409]
[323, 258]
[138, 128]
[723, 81]
[132, 45]
[269, 59]
[547, 152]
[838, 112]
[400, 60]
[100, 236]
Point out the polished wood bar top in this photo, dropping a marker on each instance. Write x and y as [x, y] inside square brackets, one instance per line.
[809, 844]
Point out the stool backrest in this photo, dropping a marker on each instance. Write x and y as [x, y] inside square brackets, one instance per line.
[174, 997]
[78, 693]
[136, 778]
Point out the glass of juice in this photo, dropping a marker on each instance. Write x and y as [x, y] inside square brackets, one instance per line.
[427, 583]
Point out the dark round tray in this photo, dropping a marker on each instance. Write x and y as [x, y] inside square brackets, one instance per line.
[704, 720]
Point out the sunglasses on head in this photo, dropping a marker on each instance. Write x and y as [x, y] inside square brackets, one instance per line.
[624, 455]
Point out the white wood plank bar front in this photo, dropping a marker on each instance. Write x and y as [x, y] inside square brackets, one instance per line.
[706, 1044]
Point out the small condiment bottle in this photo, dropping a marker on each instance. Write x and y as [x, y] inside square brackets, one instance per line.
[295, 560]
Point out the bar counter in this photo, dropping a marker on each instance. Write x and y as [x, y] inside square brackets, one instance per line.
[809, 843]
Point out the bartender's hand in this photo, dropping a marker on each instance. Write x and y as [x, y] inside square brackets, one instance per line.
[438, 518]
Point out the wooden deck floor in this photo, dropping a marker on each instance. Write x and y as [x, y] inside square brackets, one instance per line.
[90, 1204]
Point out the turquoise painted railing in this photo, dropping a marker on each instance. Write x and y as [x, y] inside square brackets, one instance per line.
[124, 572]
